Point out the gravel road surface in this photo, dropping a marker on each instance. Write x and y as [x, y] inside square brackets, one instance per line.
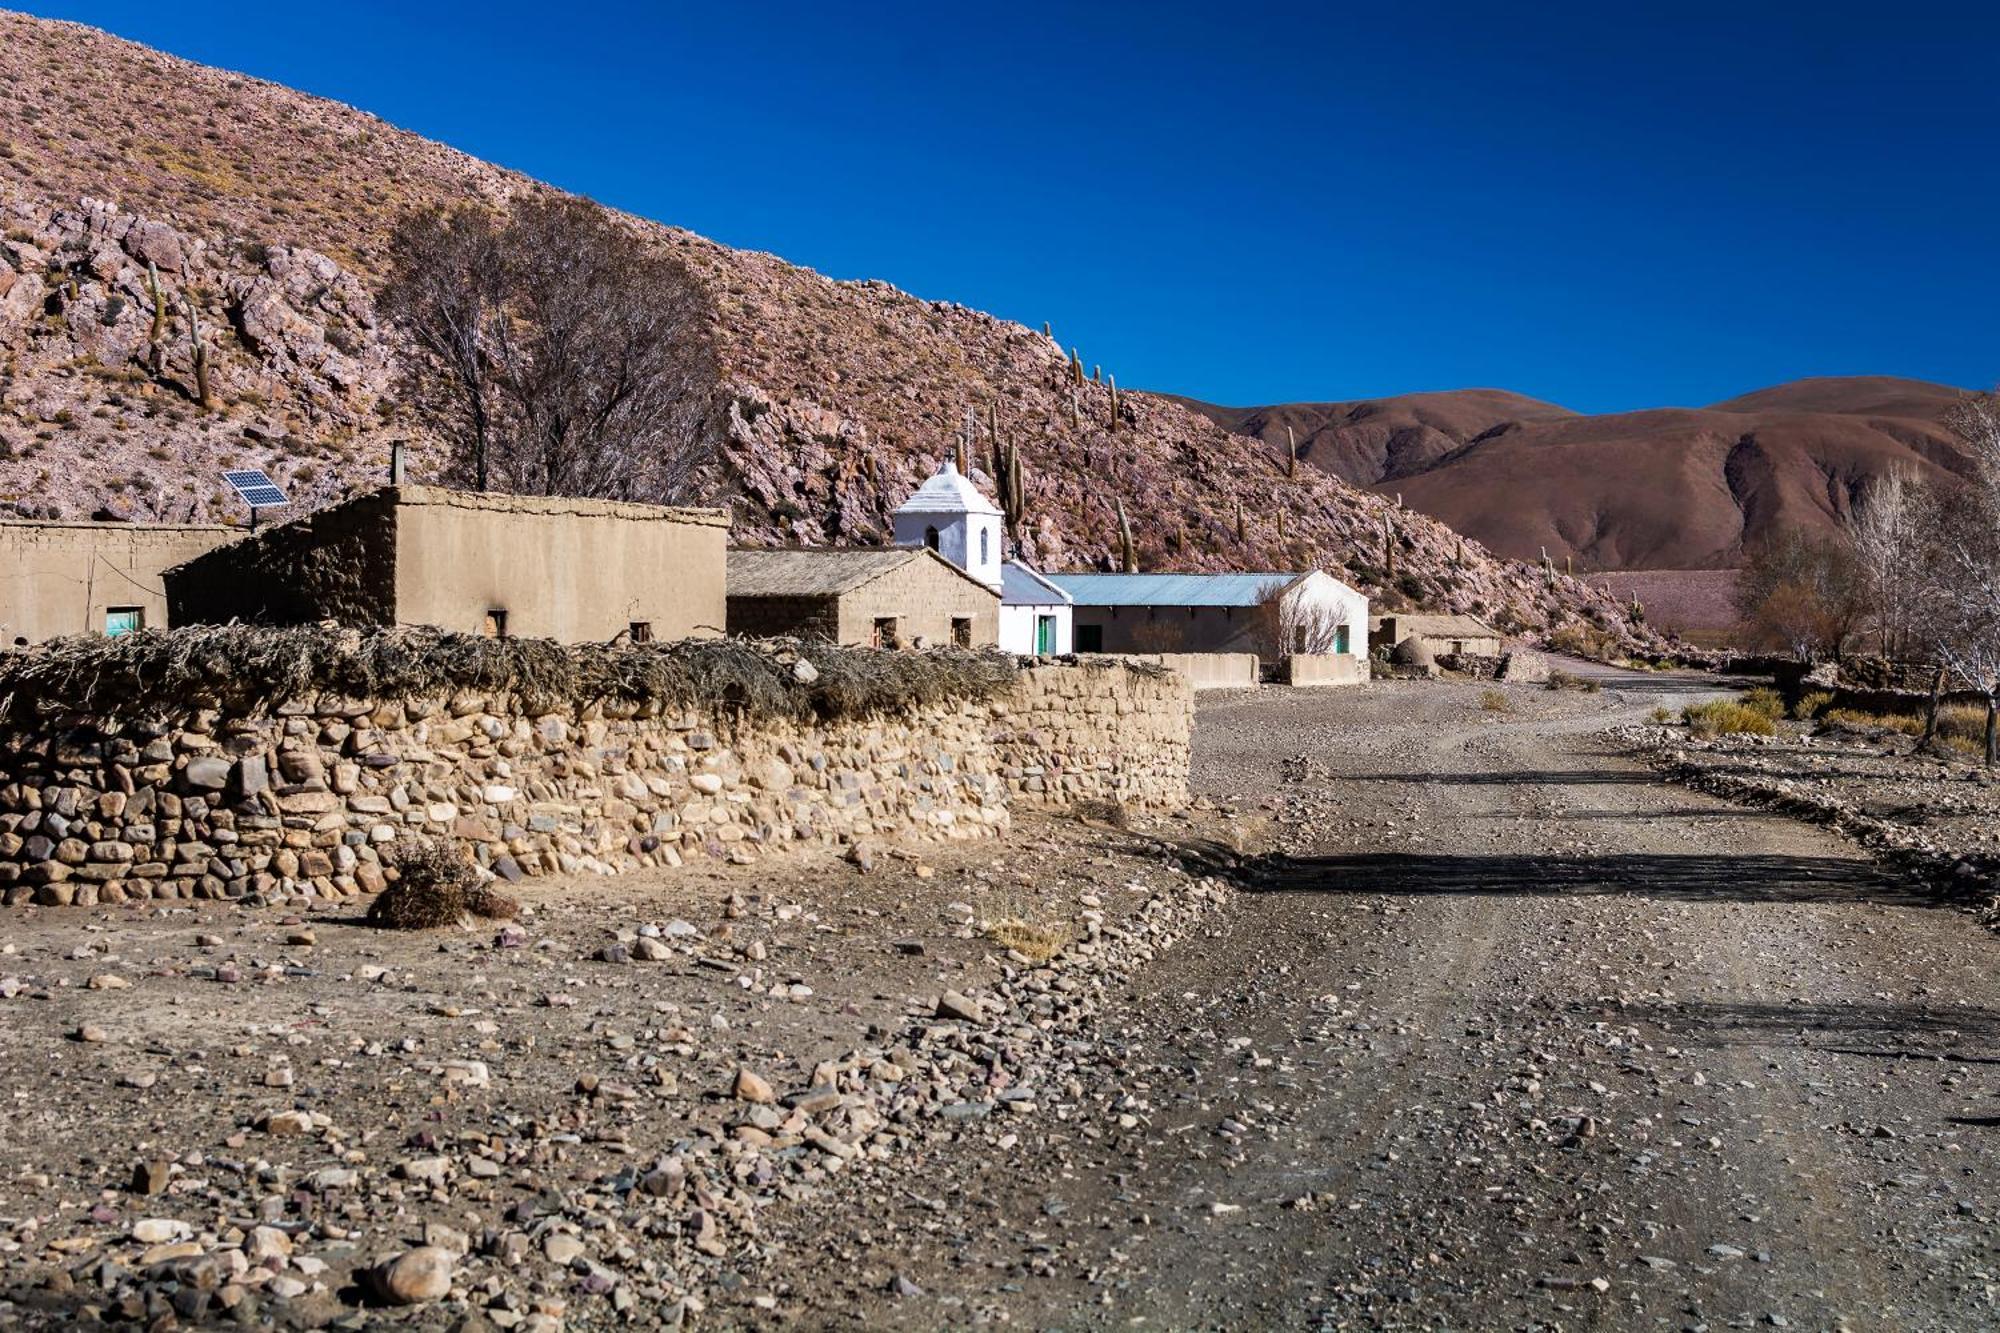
[1504, 1034]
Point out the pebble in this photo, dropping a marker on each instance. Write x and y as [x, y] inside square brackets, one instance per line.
[416, 1276]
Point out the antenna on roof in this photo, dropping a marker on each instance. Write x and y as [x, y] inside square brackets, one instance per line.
[256, 490]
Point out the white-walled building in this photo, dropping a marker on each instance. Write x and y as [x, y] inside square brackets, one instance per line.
[1273, 615]
[951, 517]
[1035, 615]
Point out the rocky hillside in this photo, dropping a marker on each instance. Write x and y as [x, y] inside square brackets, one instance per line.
[1671, 488]
[265, 214]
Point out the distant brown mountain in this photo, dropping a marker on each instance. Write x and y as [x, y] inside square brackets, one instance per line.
[1669, 488]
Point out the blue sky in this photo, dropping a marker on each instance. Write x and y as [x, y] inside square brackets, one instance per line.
[1610, 205]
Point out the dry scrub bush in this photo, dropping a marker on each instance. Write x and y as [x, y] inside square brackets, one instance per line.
[1563, 680]
[1579, 640]
[436, 885]
[1811, 705]
[1961, 726]
[1036, 942]
[1764, 700]
[249, 669]
[1727, 717]
[1493, 701]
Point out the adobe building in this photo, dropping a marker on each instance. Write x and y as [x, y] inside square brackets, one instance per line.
[900, 597]
[1271, 615]
[1442, 634]
[534, 566]
[60, 577]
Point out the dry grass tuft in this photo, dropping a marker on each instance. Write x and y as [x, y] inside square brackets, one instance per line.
[1728, 717]
[436, 885]
[1563, 680]
[247, 669]
[1035, 942]
[1495, 701]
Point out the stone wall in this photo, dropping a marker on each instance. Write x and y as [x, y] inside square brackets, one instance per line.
[302, 802]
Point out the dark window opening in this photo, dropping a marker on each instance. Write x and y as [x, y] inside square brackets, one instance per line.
[961, 631]
[642, 631]
[1090, 638]
[885, 635]
[931, 538]
[495, 626]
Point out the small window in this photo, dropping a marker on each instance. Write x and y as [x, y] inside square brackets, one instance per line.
[1299, 639]
[885, 635]
[961, 631]
[985, 545]
[642, 631]
[495, 626]
[1090, 638]
[124, 620]
[931, 538]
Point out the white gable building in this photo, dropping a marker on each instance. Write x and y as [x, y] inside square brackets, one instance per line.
[949, 515]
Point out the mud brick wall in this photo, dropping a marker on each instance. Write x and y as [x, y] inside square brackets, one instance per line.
[302, 802]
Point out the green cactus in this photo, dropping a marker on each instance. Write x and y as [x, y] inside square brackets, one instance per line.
[1242, 532]
[202, 391]
[1076, 367]
[1128, 556]
[1389, 548]
[1114, 402]
[157, 353]
[1291, 453]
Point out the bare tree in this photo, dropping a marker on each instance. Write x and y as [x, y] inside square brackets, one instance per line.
[1805, 593]
[1884, 533]
[1296, 624]
[558, 351]
[1958, 564]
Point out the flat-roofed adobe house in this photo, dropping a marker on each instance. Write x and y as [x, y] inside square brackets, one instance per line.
[1466, 636]
[1273, 615]
[569, 569]
[949, 515]
[59, 577]
[894, 597]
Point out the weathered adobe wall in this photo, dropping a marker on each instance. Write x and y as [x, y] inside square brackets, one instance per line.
[63, 578]
[923, 597]
[302, 803]
[776, 617]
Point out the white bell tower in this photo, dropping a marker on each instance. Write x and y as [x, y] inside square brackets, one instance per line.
[949, 515]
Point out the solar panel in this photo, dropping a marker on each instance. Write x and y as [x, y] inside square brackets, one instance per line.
[258, 491]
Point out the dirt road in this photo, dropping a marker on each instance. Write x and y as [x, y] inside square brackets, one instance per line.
[1509, 1035]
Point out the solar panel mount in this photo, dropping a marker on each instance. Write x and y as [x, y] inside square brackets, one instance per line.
[257, 489]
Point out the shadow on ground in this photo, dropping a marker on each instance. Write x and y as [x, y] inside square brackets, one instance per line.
[1761, 878]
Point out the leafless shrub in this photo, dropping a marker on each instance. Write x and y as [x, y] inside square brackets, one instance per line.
[433, 880]
[1803, 593]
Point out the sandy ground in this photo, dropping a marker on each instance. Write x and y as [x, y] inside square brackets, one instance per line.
[1495, 1031]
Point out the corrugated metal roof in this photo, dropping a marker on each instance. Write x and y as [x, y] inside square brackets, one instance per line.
[817, 573]
[1170, 589]
[1021, 586]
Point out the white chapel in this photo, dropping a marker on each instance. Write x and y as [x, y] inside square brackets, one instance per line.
[949, 515]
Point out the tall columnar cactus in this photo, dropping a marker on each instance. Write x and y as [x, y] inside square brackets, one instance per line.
[1076, 367]
[1128, 556]
[1242, 532]
[1281, 524]
[1569, 564]
[1011, 480]
[1291, 453]
[1097, 374]
[1075, 411]
[157, 351]
[1389, 547]
[202, 391]
[1458, 561]
[1047, 332]
[1114, 402]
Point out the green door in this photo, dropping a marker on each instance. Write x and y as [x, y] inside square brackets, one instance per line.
[1340, 640]
[1045, 635]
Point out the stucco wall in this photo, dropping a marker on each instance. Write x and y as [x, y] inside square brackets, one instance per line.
[923, 596]
[301, 803]
[1324, 669]
[1017, 628]
[62, 578]
[1211, 671]
[573, 570]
